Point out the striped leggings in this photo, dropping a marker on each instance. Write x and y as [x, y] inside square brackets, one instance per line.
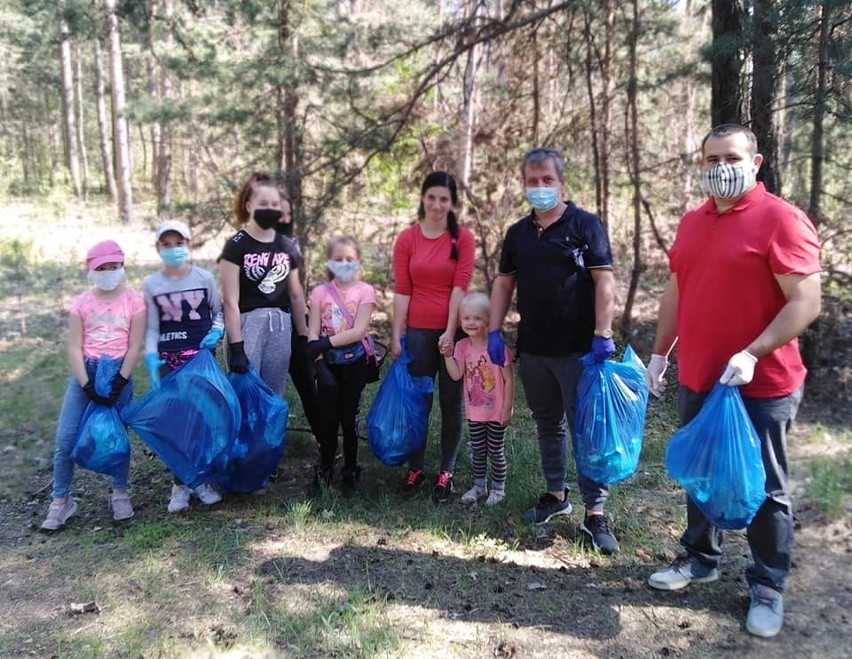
[487, 441]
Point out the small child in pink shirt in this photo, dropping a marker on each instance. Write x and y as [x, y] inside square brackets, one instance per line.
[105, 321]
[488, 398]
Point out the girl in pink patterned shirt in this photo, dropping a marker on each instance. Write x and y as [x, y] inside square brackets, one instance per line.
[488, 397]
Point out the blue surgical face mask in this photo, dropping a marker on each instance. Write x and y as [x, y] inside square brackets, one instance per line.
[542, 199]
[106, 280]
[174, 257]
[343, 271]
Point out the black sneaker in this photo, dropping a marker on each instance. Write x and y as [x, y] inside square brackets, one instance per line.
[596, 528]
[413, 481]
[443, 486]
[547, 508]
[350, 478]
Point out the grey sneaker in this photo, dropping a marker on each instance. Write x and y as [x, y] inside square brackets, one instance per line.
[682, 572]
[474, 494]
[495, 497]
[58, 514]
[207, 495]
[766, 611]
[547, 508]
[121, 507]
[180, 499]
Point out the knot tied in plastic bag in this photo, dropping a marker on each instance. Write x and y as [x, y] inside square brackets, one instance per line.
[610, 417]
[398, 419]
[716, 458]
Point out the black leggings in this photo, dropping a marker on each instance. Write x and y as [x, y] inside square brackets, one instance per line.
[339, 389]
[304, 379]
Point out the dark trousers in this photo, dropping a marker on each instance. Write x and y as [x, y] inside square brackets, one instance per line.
[304, 379]
[550, 387]
[770, 534]
[423, 346]
[340, 388]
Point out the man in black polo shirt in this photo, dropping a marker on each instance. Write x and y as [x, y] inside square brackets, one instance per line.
[560, 259]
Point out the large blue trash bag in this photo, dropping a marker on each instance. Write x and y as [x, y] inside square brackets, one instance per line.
[716, 459]
[260, 441]
[191, 420]
[610, 417]
[399, 416]
[102, 443]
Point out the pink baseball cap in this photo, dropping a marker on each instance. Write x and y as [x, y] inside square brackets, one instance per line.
[106, 251]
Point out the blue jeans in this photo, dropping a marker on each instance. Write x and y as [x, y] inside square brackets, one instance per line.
[550, 386]
[74, 404]
[770, 534]
[423, 346]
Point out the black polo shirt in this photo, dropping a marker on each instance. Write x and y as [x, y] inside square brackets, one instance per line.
[556, 295]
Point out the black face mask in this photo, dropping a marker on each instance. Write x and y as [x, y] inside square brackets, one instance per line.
[267, 218]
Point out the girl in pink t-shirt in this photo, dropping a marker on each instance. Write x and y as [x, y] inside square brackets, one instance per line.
[488, 397]
[105, 321]
[340, 313]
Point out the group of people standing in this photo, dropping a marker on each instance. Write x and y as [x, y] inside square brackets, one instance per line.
[744, 284]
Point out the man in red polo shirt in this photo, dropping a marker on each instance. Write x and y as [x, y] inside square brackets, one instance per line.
[745, 283]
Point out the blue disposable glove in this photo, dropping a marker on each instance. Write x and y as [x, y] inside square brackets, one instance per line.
[602, 347]
[496, 347]
[212, 338]
[153, 362]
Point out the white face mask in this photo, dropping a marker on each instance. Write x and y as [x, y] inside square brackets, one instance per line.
[106, 280]
[343, 271]
[725, 181]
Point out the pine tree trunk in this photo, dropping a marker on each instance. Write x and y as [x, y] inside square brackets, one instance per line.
[726, 103]
[608, 82]
[820, 96]
[593, 113]
[163, 154]
[121, 139]
[81, 124]
[764, 91]
[152, 70]
[292, 131]
[633, 140]
[72, 157]
[104, 137]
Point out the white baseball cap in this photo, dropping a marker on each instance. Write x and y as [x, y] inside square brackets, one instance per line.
[173, 225]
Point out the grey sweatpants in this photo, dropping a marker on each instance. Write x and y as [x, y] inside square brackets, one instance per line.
[267, 342]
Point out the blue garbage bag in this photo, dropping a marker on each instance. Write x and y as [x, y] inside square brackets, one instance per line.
[609, 418]
[102, 443]
[190, 421]
[398, 419]
[260, 440]
[716, 458]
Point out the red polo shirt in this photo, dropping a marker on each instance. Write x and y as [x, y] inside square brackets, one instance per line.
[725, 265]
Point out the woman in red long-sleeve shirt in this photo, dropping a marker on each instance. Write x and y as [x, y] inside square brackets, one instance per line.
[433, 263]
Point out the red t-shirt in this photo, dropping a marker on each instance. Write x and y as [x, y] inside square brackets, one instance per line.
[423, 270]
[725, 265]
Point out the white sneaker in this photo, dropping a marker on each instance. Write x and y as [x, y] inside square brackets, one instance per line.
[121, 507]
[180, 498]
[474, 494]
[207, 495]
[495, 497]
[766, 612]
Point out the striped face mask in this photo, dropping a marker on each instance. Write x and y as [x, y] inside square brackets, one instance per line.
[725, 181]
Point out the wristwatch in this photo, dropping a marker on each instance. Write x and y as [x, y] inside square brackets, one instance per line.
[607, 333]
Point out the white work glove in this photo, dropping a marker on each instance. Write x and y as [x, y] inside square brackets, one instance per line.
[740, 369]
[654, 374]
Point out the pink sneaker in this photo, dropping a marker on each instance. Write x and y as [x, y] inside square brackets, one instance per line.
[121, 507]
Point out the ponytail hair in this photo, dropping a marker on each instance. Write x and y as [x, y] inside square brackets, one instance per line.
[255, 180]
[444, 180]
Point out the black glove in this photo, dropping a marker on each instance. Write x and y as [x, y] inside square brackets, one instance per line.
[325, 378]
[316, 348]
[118, 384]
[237, 360]
[94, 396]
[300, 344]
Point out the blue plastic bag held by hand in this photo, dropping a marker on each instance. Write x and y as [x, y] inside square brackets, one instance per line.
[102, 442]
[399, 417]
[190, 421]
[260, 441]
[716, 459]
[610, 417]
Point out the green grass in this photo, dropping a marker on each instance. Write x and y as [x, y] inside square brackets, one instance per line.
[830, 486]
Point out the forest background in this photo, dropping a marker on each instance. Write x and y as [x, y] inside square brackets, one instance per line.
[116, 115]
